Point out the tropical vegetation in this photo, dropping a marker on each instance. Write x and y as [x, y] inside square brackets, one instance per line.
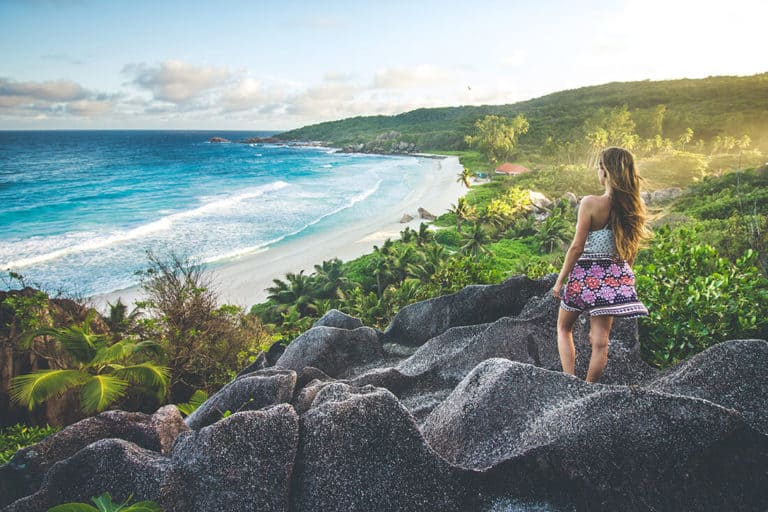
[16, 437]
[104, 503]
[703, 275]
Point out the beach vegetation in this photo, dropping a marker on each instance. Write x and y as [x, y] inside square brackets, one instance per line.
[196, 400]
[16, 437]
[26, 311]
[203, 342]
[102, 372]
[697, 297]
[661, 110]
[465, 177]
[104, 503]
[496, 136]
[463, 212]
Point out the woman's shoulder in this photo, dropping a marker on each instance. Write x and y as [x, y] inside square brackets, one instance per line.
[595, 202]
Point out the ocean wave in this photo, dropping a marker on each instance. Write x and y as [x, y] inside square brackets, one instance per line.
[162, 224]
[362, 196]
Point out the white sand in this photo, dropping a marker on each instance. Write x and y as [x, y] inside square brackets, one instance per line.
[244, 281]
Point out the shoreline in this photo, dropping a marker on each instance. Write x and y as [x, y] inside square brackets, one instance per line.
[243, 281]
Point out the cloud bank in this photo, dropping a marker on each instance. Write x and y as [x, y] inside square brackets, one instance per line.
[180, 92]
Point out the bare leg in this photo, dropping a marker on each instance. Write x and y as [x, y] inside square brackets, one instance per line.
[565, 321]
[599, 329]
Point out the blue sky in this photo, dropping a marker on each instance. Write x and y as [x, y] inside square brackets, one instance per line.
[276, 65]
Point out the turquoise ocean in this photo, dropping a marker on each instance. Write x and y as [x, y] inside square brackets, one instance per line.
[80, 209]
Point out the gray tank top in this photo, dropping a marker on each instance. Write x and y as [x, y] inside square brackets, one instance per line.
[600, 241]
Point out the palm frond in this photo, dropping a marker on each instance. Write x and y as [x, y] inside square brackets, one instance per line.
[115, 352]
[100, 391]
[37, 387]
[150, 346]
[76, 341]
[146, 374]
[144, 506]
[73, 507]
[196, 400]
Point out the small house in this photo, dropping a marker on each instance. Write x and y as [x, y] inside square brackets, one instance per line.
[509, 169]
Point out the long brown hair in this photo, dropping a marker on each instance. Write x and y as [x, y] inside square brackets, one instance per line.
[628, 213]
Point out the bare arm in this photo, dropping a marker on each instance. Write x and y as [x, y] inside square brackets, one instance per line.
[583, 223]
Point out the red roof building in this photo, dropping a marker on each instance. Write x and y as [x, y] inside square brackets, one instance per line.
[511, 169]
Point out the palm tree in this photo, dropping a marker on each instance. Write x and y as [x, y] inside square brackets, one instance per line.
[298, 292]
[383, 270]
[401, 257]
[329, 279]
[475, 242]
[424, 235]
[464, 177]
[102, 372]
[407, 235]
[553, 232]
[433, 259]
[463, 211]
[119, 320]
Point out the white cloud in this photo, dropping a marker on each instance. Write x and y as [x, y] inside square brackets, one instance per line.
[251, 94]
[175, 81]
[51, 98]
[410, 78]
[58, 90]
[89, 108]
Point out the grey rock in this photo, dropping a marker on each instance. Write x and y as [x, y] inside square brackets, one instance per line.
[24, 472]
[242, 463]
[406, 218]
[115, 465]
[532, 431]
[571, 198]
[250, 392]
[530, 337]
[539, 201]
[273, 354]
[258, 364]
[335, 318]
[424, 214]
[482, 422]
[310, 373]
[733, 374]
[661, 196]
[331, 350]
[361, 450]
[416, 323]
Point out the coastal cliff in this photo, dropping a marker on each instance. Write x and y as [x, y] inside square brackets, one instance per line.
[457, 405]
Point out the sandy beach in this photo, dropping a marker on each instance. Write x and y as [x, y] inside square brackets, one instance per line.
[243, 281]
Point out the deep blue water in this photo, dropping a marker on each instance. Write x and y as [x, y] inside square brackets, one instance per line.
[79, 209]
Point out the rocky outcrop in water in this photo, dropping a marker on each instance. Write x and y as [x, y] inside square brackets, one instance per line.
[458, 406]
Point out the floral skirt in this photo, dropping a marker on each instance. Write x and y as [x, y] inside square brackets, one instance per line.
[602, 286]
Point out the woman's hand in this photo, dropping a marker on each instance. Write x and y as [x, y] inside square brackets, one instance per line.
[556, 290]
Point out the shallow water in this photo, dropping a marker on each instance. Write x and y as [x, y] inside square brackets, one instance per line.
[79, 209]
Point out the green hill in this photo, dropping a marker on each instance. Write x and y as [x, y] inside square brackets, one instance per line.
[723, 105]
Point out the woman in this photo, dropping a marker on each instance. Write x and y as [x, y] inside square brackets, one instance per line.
[609, 231]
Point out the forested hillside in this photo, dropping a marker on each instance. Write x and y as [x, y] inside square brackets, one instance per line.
[710, 107]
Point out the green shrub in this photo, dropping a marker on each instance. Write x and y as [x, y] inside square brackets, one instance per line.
[672, 169]
[696, 298]
[449, 237]
[104, 503]
[554, 182]
[13, 439]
